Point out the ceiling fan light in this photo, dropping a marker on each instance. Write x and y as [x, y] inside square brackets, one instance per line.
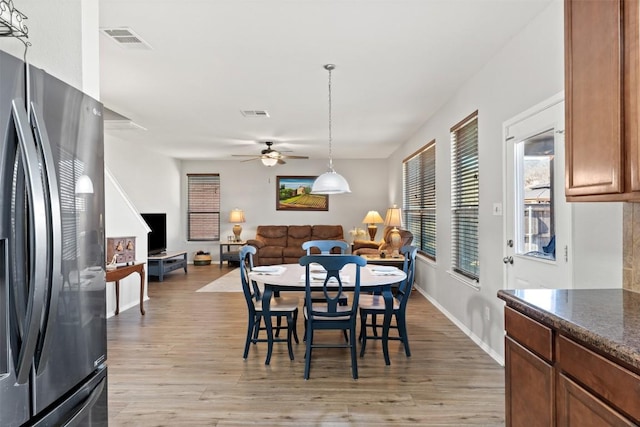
[330, 182]
[269, 161]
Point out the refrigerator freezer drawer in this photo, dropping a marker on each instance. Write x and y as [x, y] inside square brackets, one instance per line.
[86, 406]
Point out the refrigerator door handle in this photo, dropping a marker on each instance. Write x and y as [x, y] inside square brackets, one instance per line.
[37, 240]
[54, 223]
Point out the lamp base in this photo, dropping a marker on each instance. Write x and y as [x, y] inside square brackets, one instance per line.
[237, 229]
[396, 241]
[372, 229]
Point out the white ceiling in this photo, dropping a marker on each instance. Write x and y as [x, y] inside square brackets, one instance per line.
[397, 62]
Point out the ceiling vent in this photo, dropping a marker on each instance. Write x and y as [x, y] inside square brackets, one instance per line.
[126, 38]
[254, 113]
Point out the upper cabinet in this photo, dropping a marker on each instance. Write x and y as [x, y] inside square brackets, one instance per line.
[602, 100]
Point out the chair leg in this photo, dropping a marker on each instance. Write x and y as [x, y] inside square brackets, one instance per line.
[256, 331]
[354, 362]
[290, 327]
[363, 332]
[307, 354]
[374, 323]
[278, 326]
[402, 331]
[250, 331]
[346, 337]
[295, 326]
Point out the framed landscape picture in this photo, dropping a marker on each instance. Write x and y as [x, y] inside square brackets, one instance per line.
[293, 193]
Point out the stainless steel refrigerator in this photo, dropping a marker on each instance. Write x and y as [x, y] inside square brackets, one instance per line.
[53, 343]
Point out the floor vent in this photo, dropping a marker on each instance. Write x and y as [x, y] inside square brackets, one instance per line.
[126, 38]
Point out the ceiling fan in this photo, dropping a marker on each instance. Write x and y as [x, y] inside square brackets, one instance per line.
[269, 156]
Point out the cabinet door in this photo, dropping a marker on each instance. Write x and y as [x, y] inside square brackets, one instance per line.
[631, 95]
[593, 89]
[529, 387]
[577, 407]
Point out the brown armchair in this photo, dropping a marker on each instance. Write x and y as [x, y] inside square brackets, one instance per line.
[270, 242]
[366, 247]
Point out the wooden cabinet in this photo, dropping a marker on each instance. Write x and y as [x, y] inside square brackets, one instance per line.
[529, 387]
[602, 100]
[552, 380]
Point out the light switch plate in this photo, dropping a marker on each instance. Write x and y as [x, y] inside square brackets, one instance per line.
[497, 209]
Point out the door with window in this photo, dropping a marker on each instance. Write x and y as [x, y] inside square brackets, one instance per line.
[537, 218]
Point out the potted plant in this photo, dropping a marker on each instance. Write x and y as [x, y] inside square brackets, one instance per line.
[202, 258]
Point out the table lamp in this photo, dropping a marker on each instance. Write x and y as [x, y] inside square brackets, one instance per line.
[237, 216]
[394, 219]
[372, 218]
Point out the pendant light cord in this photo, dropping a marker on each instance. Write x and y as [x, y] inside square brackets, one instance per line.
[329, 68]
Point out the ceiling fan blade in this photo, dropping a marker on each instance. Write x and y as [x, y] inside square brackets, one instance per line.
[245, 155]
[281, 162]
[295, 157]
[248, 160]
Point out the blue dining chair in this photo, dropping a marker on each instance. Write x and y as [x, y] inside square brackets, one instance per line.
[373, 305]
[280, 307]
[324, 246]
[330, 314]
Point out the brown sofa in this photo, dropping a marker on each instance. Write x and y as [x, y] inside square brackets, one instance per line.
[282, 244]
[367, 247]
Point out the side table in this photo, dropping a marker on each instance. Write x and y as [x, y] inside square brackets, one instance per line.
[120, 273]
[229, 254]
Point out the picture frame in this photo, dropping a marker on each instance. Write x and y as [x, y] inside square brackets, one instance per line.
[293, 193]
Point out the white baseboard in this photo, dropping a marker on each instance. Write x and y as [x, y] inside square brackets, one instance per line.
[476, 339]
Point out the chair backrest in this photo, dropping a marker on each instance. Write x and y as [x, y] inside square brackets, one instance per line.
[333, 283]
[409, 267]
[250, 288]
[325, 246]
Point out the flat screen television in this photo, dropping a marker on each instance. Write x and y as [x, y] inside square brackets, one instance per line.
[157, 238]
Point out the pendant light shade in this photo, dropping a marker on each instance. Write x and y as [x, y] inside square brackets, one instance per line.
[330, 182]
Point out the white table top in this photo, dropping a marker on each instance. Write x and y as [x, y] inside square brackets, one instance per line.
[291, 277]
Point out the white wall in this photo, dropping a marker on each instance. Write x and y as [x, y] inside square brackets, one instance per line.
[525, 72]
[56, 34]
[121, 220]
[251, 187]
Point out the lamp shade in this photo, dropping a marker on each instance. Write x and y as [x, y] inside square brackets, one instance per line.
[236, 216]
[330, 182]
[269, 161]
[393, 217]
[372, 217]
[84, 185]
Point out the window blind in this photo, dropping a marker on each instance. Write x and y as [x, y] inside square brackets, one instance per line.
[203, 207]
[419, 187]
[465, 197]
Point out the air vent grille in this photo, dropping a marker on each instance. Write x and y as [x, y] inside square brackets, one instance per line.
[126, 38]
[254, 113]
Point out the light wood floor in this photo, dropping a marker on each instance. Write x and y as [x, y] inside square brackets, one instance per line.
[181, 365]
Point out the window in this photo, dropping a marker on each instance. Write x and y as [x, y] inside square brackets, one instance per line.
[419, 186]
[203, 207]
[465, 197]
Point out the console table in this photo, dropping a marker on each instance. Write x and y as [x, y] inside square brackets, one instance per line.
[120, 273]
[229, 254]
[163, 263]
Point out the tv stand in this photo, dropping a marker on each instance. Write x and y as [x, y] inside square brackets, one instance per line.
[165, 262]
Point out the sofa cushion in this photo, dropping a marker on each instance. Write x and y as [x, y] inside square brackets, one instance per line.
[327, 232]
[272, 235]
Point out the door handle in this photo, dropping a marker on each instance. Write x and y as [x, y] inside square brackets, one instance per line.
[38, 240]
[54, 219]
[508, 260]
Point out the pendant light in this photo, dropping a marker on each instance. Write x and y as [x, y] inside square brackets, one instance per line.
[330, 182]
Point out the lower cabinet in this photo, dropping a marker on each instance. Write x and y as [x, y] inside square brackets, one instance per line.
[528, 386]
[553, 380]
[577, 407]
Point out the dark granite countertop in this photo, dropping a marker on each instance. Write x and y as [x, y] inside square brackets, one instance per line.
[607, 320]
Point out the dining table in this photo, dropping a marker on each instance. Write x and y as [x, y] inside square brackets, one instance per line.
[291, 278]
